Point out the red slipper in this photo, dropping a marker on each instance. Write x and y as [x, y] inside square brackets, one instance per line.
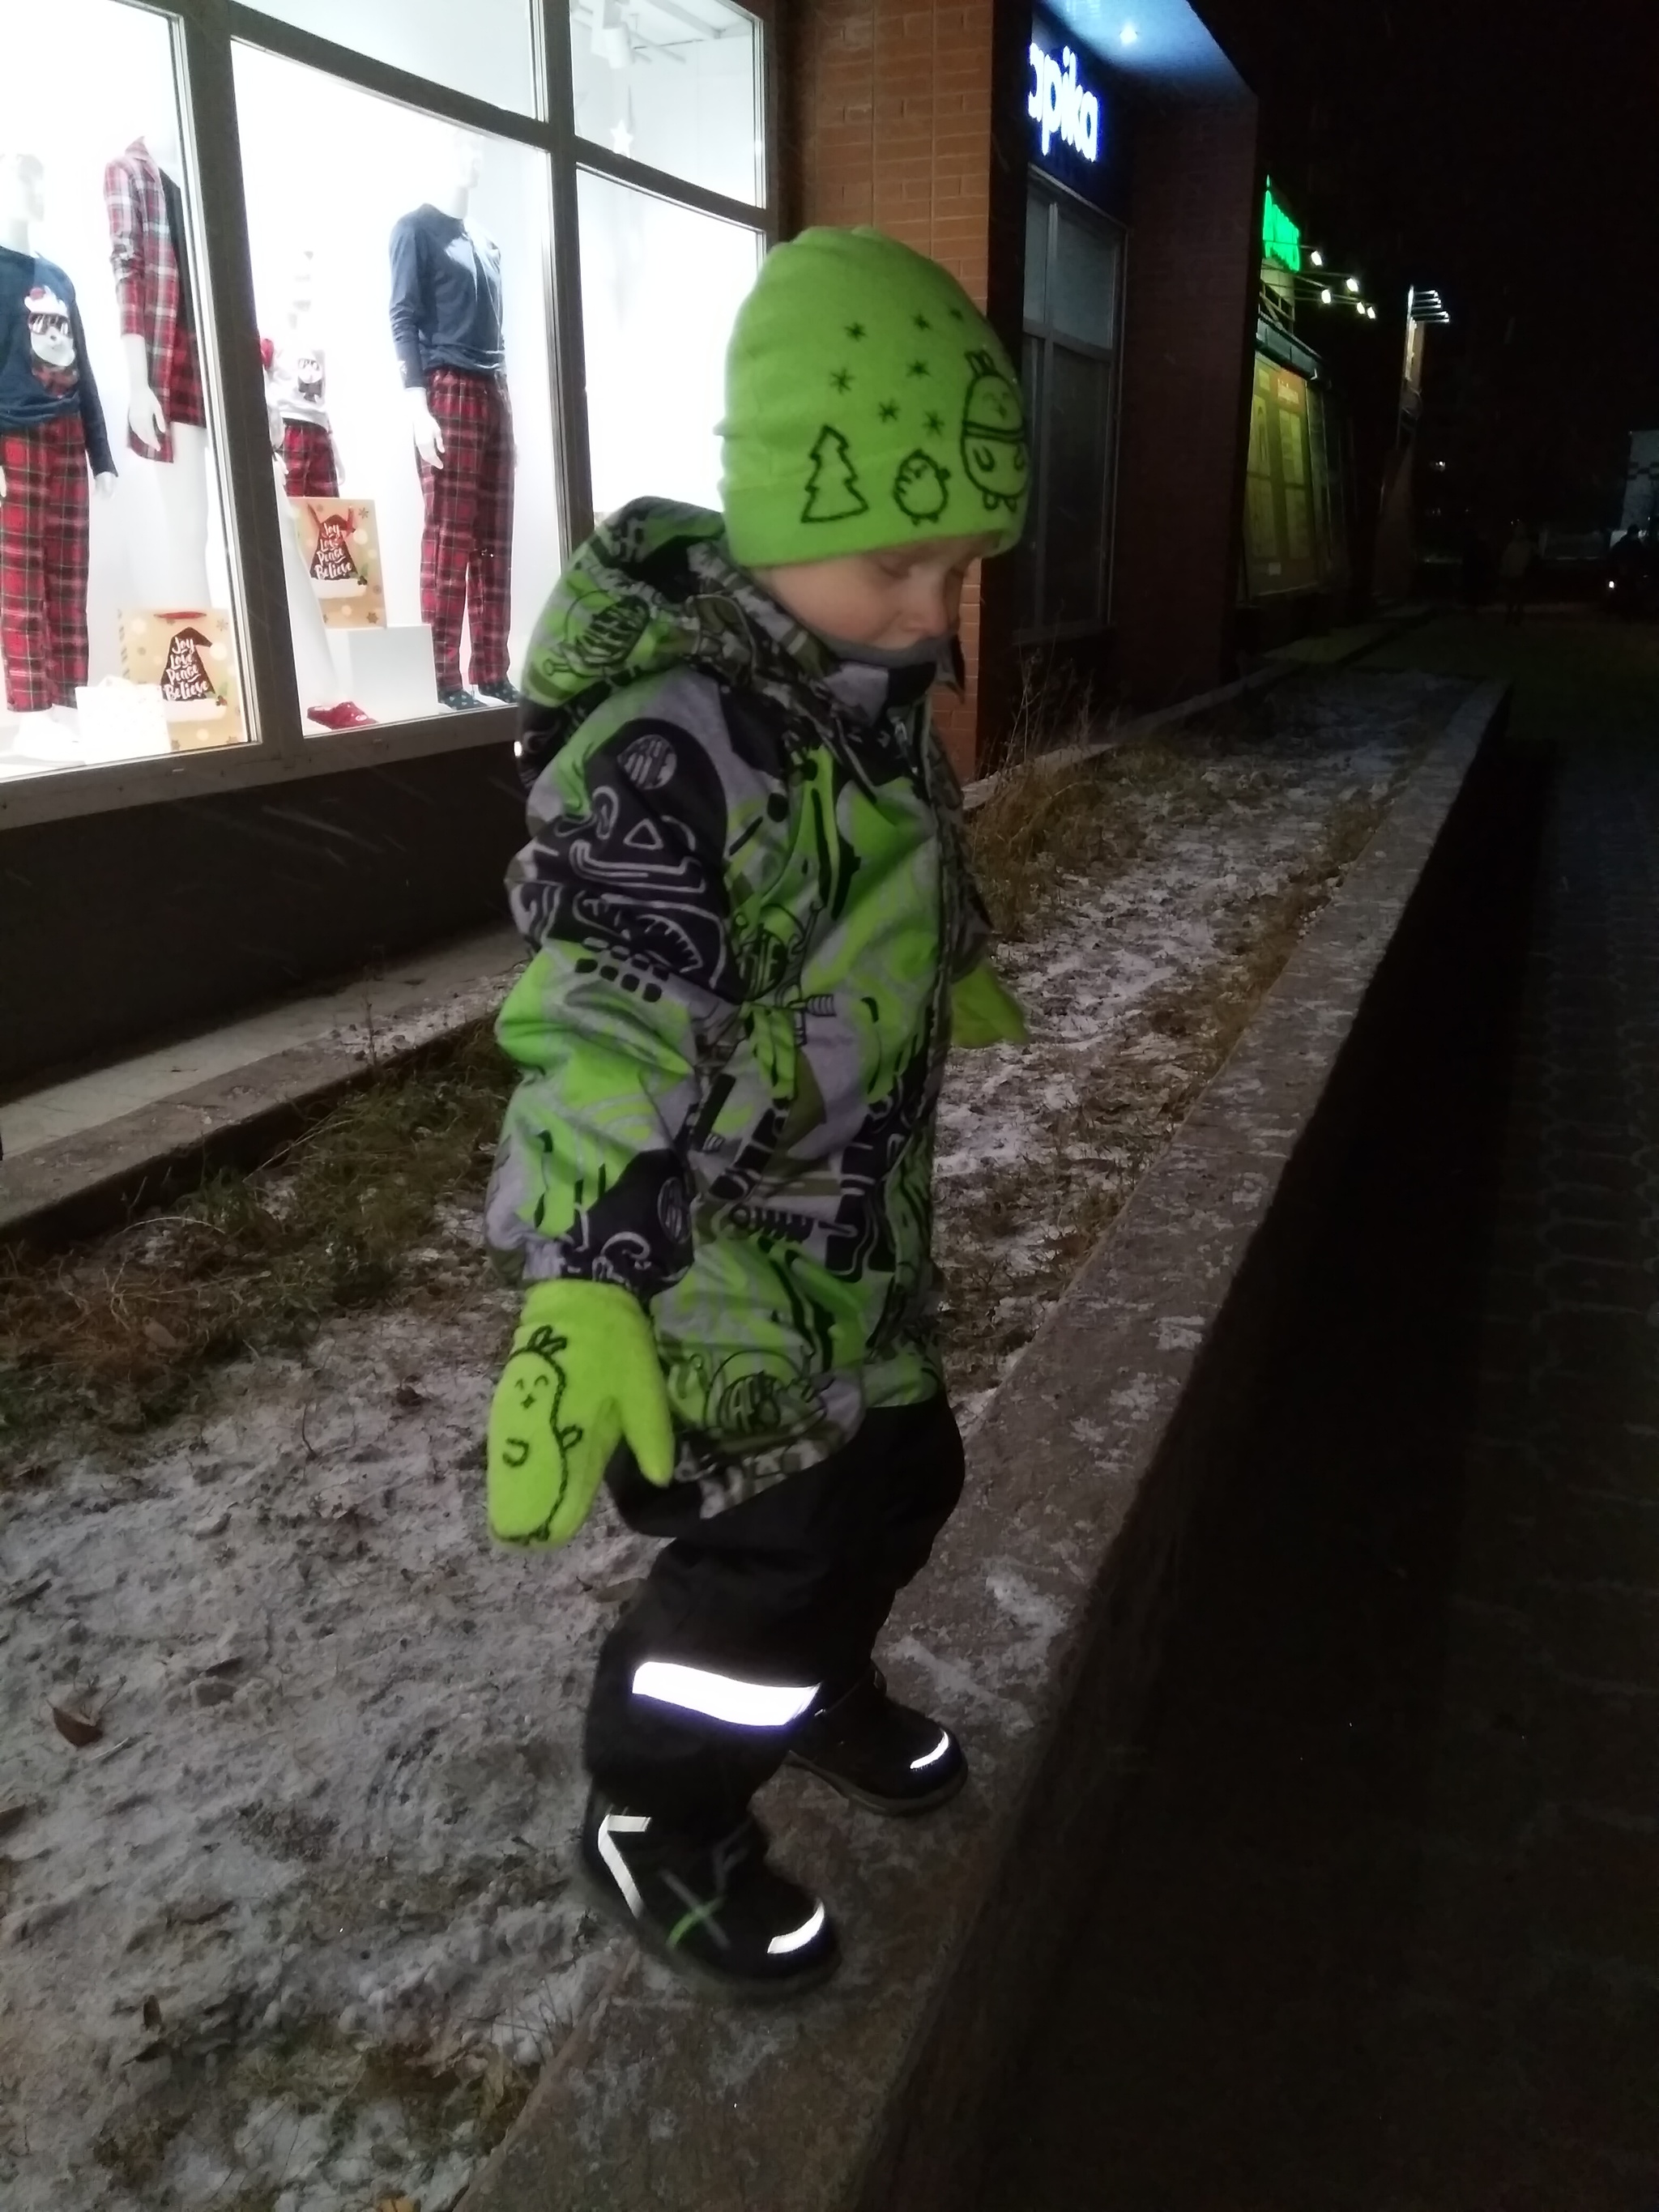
[345, 716]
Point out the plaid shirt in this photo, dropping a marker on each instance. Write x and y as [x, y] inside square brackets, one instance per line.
[147, 279]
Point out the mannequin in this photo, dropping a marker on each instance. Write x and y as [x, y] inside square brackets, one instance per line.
[447, 328]
[299, 387]
[300, 463]
[51, 431]
[167, 412]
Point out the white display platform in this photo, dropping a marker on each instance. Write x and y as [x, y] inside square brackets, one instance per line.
[115, 721]
[387, 673]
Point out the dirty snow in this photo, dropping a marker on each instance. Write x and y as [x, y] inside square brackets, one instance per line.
[1129, 986]
[293, 1931]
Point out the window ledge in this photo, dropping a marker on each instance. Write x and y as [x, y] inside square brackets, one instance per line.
[65, 794]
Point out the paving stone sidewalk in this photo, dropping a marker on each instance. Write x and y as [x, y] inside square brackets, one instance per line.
[1380, 1930]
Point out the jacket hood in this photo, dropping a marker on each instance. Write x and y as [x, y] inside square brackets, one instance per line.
[655, 589]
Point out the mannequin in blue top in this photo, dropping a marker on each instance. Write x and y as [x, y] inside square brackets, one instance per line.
[51, 432]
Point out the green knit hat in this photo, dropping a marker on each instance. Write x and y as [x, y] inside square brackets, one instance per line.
[868, 404]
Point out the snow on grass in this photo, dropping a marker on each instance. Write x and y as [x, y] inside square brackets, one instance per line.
[297, 1926]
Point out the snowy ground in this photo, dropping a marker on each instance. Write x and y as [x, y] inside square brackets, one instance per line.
[293, 1931]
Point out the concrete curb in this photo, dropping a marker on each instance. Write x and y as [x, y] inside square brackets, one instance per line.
[1036, 1629]
[81, 1184]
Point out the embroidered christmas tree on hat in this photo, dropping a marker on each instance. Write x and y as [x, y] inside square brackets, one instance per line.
[832, 490]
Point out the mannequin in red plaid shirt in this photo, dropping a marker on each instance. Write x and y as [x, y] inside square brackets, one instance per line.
[167, 412]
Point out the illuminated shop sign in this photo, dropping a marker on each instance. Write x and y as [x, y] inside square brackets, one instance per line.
[1074, 108]
[1281, 240]
[1062, 105]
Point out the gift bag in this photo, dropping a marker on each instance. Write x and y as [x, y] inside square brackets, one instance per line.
[188, 656]
[341, 548]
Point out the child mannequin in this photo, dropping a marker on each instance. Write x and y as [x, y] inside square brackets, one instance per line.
[754, 936]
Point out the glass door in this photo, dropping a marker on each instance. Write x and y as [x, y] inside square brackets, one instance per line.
[1073, 266]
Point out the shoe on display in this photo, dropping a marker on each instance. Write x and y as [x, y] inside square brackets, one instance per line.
[348, 715]
[715, 1912]
[881, 1754]
[460, 702]
[501, 695]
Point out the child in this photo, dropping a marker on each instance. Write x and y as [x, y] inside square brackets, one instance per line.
[754, 934]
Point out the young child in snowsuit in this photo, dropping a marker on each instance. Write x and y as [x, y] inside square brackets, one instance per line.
[754, 937]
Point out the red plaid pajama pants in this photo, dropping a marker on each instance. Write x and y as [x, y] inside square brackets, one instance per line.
[466, 552]
[308, 460]
[43, 564]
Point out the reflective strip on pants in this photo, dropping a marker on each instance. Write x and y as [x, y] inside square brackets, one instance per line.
[723, 1697]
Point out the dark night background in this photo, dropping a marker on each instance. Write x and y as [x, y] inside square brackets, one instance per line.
[1509, 156]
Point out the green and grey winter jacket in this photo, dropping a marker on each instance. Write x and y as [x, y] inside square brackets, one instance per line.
[746, 895]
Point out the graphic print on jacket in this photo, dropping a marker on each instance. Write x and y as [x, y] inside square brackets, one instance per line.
[747, 896]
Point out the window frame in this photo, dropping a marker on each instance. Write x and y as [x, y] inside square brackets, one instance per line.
[1057, 197]
[203, 34]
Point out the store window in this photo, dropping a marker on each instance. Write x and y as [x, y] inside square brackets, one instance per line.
[674, 84]
[118, 629]
[392, 519]
[1281, 551]
[661, 286]
[1073, 263]
[401, 293]
[483, 48]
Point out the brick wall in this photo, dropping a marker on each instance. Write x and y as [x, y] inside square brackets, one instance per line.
[889, 122]
[1189, 326]
[909, 114]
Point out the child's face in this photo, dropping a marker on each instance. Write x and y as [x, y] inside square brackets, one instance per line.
[889, 599]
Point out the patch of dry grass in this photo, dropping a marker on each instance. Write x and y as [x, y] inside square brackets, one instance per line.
[1042, 828]
[118, 1333]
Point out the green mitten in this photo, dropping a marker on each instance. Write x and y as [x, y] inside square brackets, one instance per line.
[582, 1376]
[983, 1012]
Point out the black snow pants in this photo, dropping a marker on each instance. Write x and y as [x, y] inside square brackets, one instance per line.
[754, 1617]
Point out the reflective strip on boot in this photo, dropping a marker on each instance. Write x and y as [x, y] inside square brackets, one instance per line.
[623, 1824]
[722, 1697]
[798, 1938]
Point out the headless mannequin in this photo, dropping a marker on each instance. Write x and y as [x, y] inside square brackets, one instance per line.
[446, 329]
[466, 168]
[174, 564]
[23, 204]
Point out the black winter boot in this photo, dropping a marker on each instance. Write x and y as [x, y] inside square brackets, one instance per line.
[880, 1754]
[715, 1912]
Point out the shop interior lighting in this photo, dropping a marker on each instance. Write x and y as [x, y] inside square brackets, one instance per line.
[1317, 258]
[1352, 283]
[611, 34]
[620, 32]
[1325, 295]
[1128, 36]
[730, 29]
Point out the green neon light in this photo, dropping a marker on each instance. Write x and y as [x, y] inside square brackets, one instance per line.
[1281, 240]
